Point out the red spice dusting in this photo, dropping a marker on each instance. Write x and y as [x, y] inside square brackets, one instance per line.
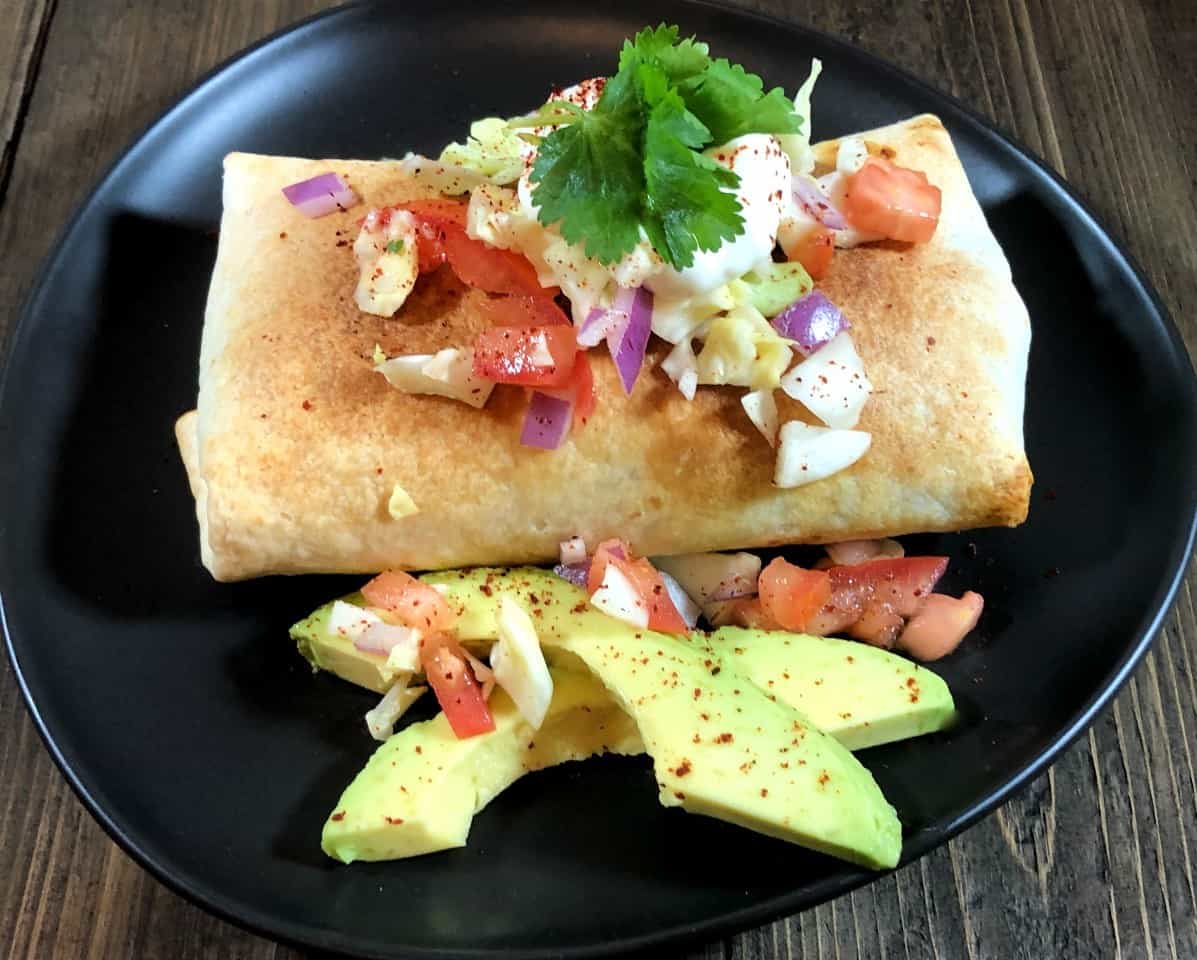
[764, 792]
[486, 590]
[393, 820]
[824, 777]
[697, 693]
[307, 404]
[419, 749]
[338, 816]
[724, 738]
[283, 235]
[683, 768]
[679, 794]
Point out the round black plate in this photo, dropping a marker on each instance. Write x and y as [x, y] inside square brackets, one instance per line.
[182, 714]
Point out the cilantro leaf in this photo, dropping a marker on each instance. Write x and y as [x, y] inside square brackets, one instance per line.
[685, 206]
[589, 176]
[730, 101]
[679, 60]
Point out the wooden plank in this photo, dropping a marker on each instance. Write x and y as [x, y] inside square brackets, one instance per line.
[1094, 859]
[21, 44]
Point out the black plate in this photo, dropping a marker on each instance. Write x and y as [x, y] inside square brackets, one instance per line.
[178, 708]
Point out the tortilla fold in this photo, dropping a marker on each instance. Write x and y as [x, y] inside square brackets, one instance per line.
[297, 444]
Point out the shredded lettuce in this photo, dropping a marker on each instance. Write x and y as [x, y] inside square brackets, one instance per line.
[797, 145]
[493, 149]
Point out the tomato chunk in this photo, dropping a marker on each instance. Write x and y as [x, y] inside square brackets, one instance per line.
[885, 589]
[897, 203]
[530, 356]
[580, 389]
[490, 269]
[433, 218]
[814, 250]
[792, 596]
[410, 600]
[663, 615]
[744, 612]
[937, 629]
[516, 311]
[455, 686]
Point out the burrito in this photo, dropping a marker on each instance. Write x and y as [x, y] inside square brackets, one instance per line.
[302, 458]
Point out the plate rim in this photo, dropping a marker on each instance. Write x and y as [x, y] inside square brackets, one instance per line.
[254, 921]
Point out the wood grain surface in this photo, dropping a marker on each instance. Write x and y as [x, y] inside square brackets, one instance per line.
[1092, 860]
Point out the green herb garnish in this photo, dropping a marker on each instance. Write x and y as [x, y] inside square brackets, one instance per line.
[636, 159]
[395, 246]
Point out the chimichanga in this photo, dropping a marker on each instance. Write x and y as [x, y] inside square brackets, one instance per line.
[297, 443]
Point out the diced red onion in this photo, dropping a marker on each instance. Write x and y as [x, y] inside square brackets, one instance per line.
[816, 203]
[320, 195]
[810, 322]
[572, 550]
[547, 421]
[627, 350]
[601, 323]
[575, 573]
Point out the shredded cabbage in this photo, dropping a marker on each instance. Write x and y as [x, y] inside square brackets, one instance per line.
[743, 350]
[493, 149]
[797, 145]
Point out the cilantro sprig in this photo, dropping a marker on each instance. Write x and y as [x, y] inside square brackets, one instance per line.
[635, 160]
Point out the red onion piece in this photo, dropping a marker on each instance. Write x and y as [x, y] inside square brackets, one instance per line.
[816, 203]
[810, 322]
[320, 195]
[601, 324]
[627, 350]
[547, 421]
[575, 573]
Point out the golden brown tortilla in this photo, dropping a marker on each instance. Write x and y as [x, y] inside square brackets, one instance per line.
[298, 443]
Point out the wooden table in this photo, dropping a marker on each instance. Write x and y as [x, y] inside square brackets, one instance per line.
[1094, 859]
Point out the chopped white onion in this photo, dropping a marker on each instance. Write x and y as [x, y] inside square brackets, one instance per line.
[681, 366]
[572, 551]
[850, 552]
[617, 597]
[807, 453]
[684, 603]
[518, 663]
[831, 383]
[381, 720]
[713, 576]
[400, 644]
[851, 155]
[446, 373]
[761, 407]
[350, 621]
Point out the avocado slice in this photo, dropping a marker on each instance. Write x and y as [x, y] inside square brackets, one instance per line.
[720, 746]
[421, 788]
[862, 695]
[326, 650]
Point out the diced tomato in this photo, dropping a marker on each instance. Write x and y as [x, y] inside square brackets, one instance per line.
[814, 250]
[456, 688]
[604, 553]
[884, 198]
[518, 311]
[792, 596]
[745, 612]
[938, 628]
[433, 218]
[879, 588]
[663, 615]
[879, 624]
[529, 356]
[490, 269]
[580, 389]
[410, 600]
[436, 211]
